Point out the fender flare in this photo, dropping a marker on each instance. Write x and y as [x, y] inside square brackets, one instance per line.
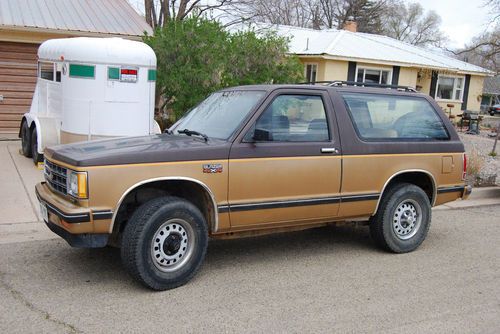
[433, 179]
[215, 213]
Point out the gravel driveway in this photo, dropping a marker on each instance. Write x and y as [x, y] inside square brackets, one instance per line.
[479, 147]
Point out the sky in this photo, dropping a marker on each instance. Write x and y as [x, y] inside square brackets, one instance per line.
[461, 19]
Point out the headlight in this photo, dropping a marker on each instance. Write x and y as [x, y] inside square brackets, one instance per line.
[77, 184]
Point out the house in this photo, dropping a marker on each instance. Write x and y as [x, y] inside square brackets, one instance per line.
[348, 55]
[491, 92]
[24, 25]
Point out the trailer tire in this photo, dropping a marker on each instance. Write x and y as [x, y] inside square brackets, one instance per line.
[26, 139]
[37, 157]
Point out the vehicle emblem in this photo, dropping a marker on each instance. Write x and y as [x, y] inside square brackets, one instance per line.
[212, 168]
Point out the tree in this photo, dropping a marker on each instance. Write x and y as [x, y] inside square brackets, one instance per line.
[484, 49]
[197, 57]
[159, 12]
[287, 12]
[410, 23]
[366, 13]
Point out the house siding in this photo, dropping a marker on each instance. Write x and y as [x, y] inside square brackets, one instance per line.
[475, 92]
[336, 70]
[408, 77]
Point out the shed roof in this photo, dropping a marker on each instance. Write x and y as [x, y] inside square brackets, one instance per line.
[111, 17]
[343, 44]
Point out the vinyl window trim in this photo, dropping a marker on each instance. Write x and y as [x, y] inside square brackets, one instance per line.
[461, 99]
[375, 68]
[316, 71]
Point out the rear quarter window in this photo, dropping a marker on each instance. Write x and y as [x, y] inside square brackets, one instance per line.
[390, 117]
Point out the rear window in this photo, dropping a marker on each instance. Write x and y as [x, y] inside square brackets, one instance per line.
[378, 116]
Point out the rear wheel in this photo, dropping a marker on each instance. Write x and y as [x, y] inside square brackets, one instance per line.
[403, 219]
[26, 140]
[164, 243]
[37, 157]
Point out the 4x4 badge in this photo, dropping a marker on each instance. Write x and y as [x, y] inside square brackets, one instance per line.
[212, 168]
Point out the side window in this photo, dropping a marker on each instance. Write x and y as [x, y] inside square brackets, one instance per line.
[293, 118]
[378, 116]
[46, 70]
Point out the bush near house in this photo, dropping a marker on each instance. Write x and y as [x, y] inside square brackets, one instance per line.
[197, 57]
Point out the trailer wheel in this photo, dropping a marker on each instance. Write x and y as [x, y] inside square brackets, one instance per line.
[37, 157]
[26, 140]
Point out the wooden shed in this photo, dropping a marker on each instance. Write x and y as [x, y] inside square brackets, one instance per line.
[24, 25]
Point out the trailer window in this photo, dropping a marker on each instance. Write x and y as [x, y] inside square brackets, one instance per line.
[46, 70]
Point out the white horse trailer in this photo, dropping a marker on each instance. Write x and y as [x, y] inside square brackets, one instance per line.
[90, 88]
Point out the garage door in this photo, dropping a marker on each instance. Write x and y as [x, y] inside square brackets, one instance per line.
[17, 83]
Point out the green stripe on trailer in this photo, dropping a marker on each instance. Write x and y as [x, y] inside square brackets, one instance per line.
[81, 71]
[151, 75]
[113, 73]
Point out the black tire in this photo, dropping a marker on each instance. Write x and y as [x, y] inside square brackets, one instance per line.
[37, 157]
[388, 227]
[26, 140]
[138, 249]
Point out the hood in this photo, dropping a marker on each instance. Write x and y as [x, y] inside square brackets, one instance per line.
[144, 149]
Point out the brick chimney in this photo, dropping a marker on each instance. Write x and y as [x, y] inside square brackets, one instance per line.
[350, 25]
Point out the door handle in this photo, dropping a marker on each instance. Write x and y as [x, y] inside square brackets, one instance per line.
[329, 150]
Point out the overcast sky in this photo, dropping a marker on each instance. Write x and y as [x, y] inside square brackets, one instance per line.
[462, 19]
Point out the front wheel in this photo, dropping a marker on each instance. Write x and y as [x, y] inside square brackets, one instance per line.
[403, 219]
[164, 243]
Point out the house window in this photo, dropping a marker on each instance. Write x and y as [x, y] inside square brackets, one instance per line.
[373, 75]
[311, 71]
[450, 88]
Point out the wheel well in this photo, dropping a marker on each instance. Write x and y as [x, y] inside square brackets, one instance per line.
[195, 193]
[420, 179]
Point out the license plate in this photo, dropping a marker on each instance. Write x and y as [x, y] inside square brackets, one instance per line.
[43, 212]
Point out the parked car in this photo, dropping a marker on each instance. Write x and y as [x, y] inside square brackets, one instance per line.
[494, 109]
[253, 160]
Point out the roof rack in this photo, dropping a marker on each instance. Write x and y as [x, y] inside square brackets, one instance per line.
[339, 83]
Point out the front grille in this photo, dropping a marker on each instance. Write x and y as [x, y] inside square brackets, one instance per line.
[55, 176]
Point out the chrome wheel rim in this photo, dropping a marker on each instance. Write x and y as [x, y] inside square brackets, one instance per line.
[407, 219]
[172, 245]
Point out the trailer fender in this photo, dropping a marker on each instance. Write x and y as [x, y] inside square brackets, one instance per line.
[47, 132]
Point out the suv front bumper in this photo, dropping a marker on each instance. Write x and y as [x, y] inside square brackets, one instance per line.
[80, 227]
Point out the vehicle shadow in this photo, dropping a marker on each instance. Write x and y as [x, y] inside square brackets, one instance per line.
[102, 266]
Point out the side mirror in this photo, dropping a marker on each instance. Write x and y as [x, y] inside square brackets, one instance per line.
[261, 135]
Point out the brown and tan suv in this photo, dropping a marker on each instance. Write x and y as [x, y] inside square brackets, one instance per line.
[253, 160]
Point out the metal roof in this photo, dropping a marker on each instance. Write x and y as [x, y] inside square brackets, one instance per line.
[113, 17]
[356, 46]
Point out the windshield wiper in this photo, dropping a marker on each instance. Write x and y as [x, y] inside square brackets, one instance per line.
[193, 133]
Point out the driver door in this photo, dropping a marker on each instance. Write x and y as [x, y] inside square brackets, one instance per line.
[285, 166]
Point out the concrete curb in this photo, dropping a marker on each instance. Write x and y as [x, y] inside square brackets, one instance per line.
[480, 197]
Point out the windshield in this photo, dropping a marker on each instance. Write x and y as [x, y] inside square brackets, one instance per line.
[219, 115]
